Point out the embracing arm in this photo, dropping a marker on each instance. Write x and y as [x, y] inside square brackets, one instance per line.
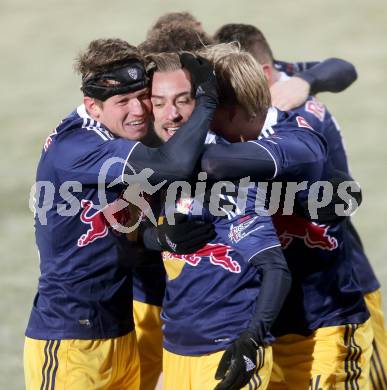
[233, 161]
[239, 361]
[176, 159]
[331, 75]
[310, 78]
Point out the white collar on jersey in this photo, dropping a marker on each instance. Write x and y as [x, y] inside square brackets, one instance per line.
[271, 118]
[283, 76]
[81, 111]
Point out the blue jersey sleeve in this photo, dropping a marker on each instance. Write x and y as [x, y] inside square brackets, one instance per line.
[250, 233]
[90, 159]
[336, 150]
[291, 68]
[322, 121]
[298, 150]
[332, 75]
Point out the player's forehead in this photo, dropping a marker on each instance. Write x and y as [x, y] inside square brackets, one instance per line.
[132, 95]
[171, 83]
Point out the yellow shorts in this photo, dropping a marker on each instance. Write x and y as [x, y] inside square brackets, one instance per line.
[379, 356]
[198, 372]
[82, 364]
[335, 357]
[150, 343]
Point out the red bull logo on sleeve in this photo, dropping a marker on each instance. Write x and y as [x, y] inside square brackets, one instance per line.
[218, 255]
[313, 235]
[97, 221]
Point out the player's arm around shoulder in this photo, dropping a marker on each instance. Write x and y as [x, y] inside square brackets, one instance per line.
[253, 235]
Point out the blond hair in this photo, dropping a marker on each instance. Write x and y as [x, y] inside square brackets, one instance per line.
[162, 62]
[241, 79]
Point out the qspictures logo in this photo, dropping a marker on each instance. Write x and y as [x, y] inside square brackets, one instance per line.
[221, 199]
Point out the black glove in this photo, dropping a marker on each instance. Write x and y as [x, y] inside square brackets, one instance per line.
[239, 363]
[203, 75]
[327, 214]
[186, 236]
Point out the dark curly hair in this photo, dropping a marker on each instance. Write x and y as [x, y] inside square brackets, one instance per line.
[175, 37]
[172, 17]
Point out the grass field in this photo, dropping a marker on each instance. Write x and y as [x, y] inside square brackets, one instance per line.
[38, 43]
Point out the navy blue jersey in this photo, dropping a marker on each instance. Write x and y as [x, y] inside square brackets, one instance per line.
[333, 74]
[299, 152]
[85, 287]
[325, 290]
[322, 121]
[290, 68]
[211, 294]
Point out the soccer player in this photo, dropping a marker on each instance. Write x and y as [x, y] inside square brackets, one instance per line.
[323, 328]
[171, 99]
[171, 110]
[80, 332]
[221, 300]
[168, 35]
[252, 40]
[309, 77]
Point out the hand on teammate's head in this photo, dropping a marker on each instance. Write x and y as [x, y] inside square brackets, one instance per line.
[203, 75]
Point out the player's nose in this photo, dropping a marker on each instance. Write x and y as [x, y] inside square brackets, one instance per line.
[136, 107]
[172, 113]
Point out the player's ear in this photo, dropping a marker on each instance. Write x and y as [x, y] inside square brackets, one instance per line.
[268, 71]
[93, 107]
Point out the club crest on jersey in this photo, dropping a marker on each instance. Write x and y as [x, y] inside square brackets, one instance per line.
[184, 205]
[238, 232]
[133, 73]
[301, 122]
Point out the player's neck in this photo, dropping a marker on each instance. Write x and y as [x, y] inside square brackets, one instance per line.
[274, 77]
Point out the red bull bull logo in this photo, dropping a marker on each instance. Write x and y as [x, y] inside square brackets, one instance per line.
[98, 220]
[218, 254]
[314, 235]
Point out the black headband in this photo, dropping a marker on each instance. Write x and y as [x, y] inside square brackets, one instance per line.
[129, 78]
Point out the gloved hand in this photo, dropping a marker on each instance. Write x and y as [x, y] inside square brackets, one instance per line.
[238, 363]
[327, 214]
[186, 236]
[203, 75]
